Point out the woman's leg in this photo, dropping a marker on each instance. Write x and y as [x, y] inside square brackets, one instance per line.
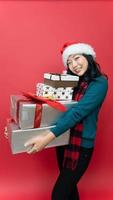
[66, 183]
[74, 194]
[60, 156]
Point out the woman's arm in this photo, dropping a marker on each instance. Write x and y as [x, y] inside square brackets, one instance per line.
[93, 98]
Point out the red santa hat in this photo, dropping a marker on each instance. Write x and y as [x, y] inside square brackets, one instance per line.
[76, 48]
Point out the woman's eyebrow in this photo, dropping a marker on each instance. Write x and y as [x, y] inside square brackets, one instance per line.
[76, 56]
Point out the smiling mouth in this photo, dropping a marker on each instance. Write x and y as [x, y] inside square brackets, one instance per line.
[78, 69]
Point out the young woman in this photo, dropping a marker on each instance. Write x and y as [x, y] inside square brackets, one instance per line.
[81, 119]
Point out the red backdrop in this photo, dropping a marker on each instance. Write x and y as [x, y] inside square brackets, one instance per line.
[31, 36]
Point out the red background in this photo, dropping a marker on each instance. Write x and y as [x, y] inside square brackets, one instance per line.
[31, 36]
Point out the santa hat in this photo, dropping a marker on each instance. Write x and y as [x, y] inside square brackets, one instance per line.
[76, 48]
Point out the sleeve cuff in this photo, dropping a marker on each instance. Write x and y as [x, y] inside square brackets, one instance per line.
[55, 131]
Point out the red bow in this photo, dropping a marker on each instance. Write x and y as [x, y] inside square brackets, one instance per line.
[55, 104]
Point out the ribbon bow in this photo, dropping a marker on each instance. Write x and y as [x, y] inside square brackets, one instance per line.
[54, 104]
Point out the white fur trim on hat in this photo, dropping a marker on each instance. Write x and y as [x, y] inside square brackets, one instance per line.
[79, 48]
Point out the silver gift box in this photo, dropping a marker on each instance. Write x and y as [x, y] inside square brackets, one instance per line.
[27, 113]
[17, 137]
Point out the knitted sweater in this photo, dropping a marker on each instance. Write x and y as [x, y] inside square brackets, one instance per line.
[87, 109]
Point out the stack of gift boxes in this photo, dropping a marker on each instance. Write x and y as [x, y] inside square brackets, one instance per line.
[32, 114]
[57, 86]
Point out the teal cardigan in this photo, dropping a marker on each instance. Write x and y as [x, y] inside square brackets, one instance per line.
[87, 109]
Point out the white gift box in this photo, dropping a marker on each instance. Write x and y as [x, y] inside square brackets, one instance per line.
[60, 80]
[26, 112]
[60, 93]
[18, 137]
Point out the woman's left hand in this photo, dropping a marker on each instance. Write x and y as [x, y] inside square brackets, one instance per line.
[39, 142]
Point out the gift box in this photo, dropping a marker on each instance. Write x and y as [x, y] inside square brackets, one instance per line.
[60, 93]
[18, 137]
[29, 114]
[60, 80]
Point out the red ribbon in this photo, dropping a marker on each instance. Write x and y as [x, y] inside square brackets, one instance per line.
[38, 111]
[38, 114]
[37, 99]
[29, 97]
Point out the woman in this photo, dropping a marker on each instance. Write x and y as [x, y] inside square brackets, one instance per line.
[81, 119]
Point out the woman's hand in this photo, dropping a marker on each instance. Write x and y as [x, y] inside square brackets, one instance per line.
[39, 142]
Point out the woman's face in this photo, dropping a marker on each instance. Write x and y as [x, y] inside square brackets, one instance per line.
[78, 64]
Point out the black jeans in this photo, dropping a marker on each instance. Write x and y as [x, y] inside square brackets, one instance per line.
[66, 185]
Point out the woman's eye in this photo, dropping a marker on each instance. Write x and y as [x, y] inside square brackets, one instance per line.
[77, 58]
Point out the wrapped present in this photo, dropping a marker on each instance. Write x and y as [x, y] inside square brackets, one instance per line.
[31, 115]
[17, 137]
[60, 93]
[60, 80]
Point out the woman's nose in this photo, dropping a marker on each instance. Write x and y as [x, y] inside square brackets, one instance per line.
[74, 63]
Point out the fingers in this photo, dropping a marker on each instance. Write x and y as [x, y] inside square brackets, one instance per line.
[33, 149]
[29, 142]
[35, 144]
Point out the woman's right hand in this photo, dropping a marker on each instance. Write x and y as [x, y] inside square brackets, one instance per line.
[5, 132]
